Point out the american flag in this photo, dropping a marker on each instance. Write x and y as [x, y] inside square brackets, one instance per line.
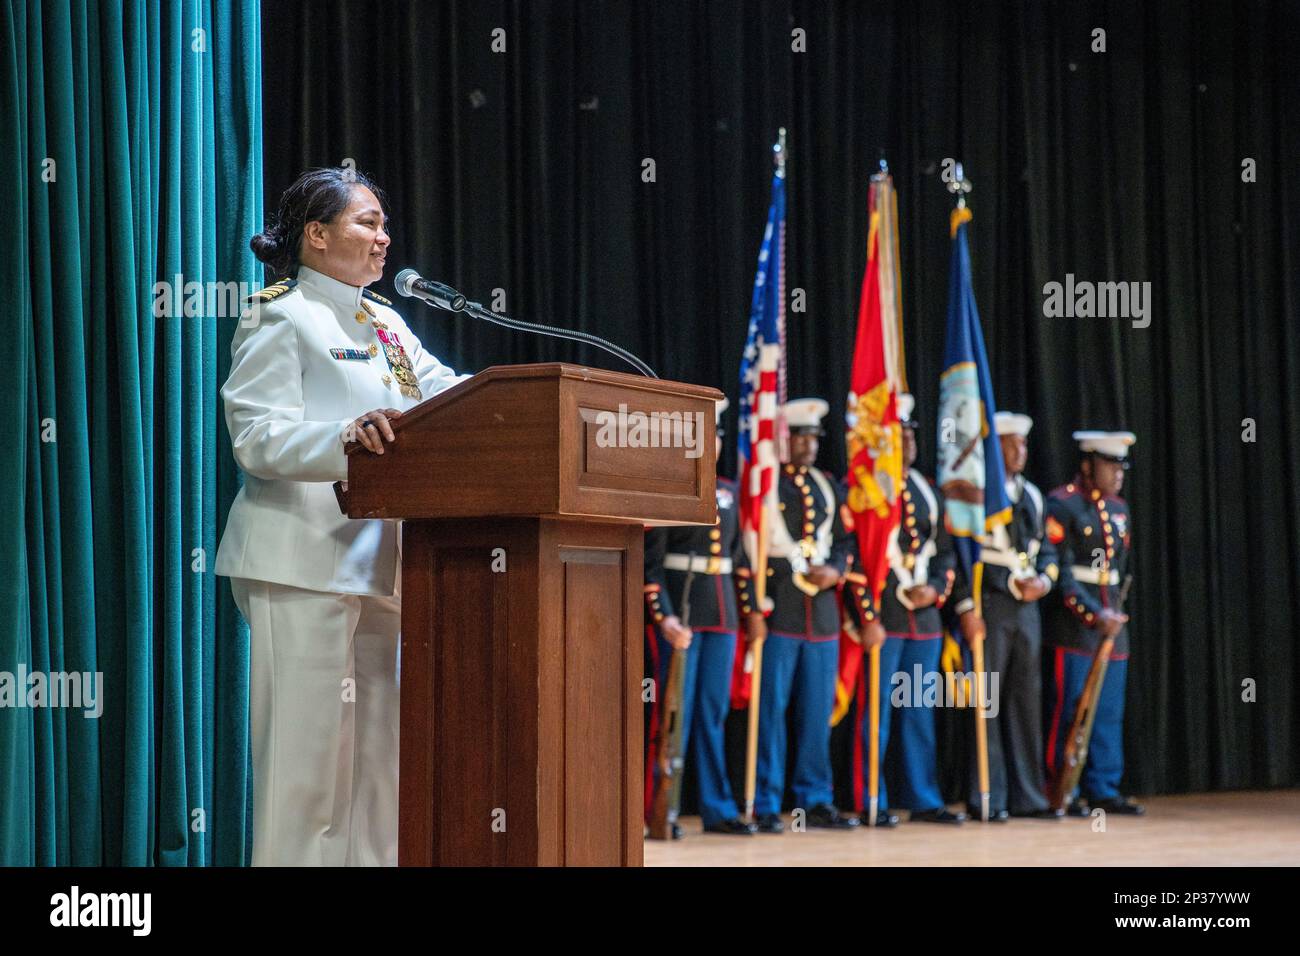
[760, 373]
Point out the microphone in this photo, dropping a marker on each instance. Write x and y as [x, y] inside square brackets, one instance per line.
[410, 284]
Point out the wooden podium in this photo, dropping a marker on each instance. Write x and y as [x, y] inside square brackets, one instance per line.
[522, 627]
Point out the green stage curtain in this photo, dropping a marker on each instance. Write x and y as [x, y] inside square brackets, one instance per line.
[131, 152]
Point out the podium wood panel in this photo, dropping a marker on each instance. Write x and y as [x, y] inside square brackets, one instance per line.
[521, 709]
[521, 734]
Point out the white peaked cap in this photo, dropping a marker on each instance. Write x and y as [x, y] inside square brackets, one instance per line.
[720, 406]
[805, 412]
[1110, 444]
[1012, 423]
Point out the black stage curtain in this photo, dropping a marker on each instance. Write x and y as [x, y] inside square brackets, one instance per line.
[521, 171]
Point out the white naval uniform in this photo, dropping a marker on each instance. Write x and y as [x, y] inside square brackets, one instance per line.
[319, 590]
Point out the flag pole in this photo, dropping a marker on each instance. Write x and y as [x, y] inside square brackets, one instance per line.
[873, 668]
[981, 728]
[873, 744]
[760, 583]
[756, 672]
[960, 186]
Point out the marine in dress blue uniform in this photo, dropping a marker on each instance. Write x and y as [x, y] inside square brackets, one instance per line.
[1020, 567]
[720, 601]
[1089, 524]
[921, 578]
[808, 554]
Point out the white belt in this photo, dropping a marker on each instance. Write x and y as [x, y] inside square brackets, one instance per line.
[700, 565]
[1003, 559]
[920, 571]
[782, 545]
[1089, 575]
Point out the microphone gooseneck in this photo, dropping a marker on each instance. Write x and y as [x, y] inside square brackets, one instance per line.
[477, 310]
[409, 283]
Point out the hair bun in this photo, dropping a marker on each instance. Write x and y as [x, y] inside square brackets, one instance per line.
[268, 246]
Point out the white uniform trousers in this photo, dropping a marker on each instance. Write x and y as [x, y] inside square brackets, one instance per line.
[323, 707]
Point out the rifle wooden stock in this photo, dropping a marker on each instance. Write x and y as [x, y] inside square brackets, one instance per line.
[668, 789]
[664, 808]
[1076, 742]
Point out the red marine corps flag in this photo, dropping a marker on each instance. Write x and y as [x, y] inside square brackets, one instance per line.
[872, 431]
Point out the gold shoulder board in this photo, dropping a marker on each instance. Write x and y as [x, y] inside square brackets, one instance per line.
[273, 291]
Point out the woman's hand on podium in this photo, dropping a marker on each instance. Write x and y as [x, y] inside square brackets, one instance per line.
[372, 429]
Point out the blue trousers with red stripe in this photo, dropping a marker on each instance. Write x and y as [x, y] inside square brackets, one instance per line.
[706, 700]
[708, 738]
[907, 734]
[802, 670]
[1105, 766]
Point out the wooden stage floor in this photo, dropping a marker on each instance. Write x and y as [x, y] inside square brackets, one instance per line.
[1259, 828]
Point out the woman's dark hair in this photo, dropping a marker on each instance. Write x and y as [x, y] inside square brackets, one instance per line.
[318, 195]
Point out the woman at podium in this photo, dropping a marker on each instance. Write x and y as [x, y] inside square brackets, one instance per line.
[319, 360]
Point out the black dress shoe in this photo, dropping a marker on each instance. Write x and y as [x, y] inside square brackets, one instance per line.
[825, 816]
[995, 816]
[733, 827]
[677, 832]
[885, 819]
[770, 823]
[1047, 813]
[937, 815]
[1077, 808]
[1121, 805]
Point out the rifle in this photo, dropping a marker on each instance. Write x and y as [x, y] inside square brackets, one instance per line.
[668, 788]
[1076, 743]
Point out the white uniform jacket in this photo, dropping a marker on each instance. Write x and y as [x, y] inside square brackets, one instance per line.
[312, 363]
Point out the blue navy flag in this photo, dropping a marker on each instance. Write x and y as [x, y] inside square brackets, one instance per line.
[970, 471]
